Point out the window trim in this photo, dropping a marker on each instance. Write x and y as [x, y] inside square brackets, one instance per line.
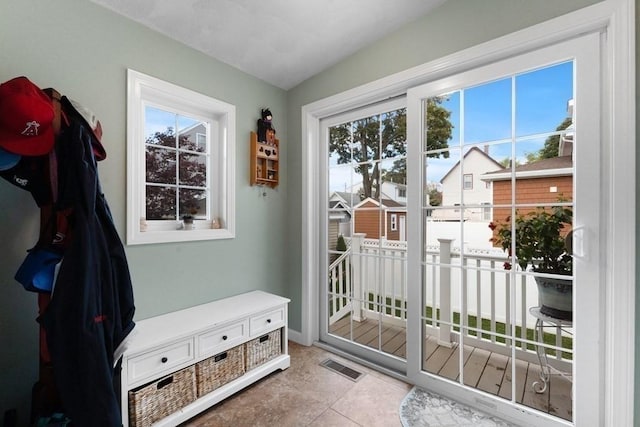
[145, 90]
[393, 219]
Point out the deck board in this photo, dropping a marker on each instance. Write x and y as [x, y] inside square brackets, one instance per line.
[451, 369]
[560, 397]
[487, 371]
[531, 398]
[475, 366]
[493, 373]
[507, 383]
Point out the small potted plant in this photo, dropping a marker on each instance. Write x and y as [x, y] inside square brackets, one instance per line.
[543, 244]
[188, 218]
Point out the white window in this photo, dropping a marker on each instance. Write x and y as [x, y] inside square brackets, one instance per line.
[180, 166]
[467, 181]
[486, 211]
[402, 193]
[394, 222]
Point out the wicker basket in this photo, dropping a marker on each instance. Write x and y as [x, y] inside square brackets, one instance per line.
[262, 349]
[220, 369]
[163, 397]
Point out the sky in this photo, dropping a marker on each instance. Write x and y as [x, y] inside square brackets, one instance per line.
[157, 120]
[483, 116]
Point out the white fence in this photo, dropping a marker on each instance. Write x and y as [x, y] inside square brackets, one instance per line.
[472, 283]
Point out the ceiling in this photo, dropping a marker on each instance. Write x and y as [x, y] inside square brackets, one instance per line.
[282, 42]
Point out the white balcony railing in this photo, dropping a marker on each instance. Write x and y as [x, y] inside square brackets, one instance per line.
[369, 281]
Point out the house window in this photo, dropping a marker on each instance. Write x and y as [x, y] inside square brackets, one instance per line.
[486, 211]
[467, 181]
[181, 158]
[201, 140]
[402, 193]
[394, 222]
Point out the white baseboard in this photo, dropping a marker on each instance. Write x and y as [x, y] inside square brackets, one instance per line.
[296, 337]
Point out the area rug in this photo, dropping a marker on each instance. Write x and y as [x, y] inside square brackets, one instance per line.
[421, 408]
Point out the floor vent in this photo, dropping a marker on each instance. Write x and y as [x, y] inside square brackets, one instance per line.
[346, 371]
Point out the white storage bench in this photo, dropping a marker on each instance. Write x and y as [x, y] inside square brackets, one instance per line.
[179, 364]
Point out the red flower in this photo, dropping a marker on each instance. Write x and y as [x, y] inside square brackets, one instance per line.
[507, 265]
[492, 226]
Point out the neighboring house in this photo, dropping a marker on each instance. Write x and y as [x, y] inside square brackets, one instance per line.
[374, 218]
[340, 214]
[197, 134]
[463, 184]
[388, 190]
[394, 191]
[544, 181]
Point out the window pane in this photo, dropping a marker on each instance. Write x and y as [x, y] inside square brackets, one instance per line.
[542, 99]
[193, 170]
[160, 165]
[189, 130]
[442, 122]
[366, 139]
[393, 133]
[159, 127]
[340, 145]
[487, 112]
[193, 202]
[160, 203]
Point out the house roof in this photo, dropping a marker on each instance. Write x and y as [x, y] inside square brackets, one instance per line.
[473, 149]
[555, 166]
[347, 199]
[385, 203]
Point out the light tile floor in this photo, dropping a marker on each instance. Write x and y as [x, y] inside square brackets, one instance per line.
[308, 394]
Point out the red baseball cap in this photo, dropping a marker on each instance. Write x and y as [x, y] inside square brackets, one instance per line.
[26, 118]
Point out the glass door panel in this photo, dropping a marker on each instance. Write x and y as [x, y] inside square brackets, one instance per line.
[496, 203]
[366, 249]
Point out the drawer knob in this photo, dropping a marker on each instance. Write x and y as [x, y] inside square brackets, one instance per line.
[268, 320]
[224, 338]
[164, 360]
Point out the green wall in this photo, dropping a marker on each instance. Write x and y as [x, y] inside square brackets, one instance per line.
[84, 50]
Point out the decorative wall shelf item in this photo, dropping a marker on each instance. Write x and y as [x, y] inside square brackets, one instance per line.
[265, 159]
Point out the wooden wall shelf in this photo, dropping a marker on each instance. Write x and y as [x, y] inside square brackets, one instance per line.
[265, 159]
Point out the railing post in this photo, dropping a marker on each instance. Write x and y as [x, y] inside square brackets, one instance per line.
[444, 338]
[357, 287]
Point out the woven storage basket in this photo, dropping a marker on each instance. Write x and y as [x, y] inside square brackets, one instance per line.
[220, 369]
[262, 349]
[155, 401]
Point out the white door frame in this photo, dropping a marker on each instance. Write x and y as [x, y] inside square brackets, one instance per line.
[616, 19]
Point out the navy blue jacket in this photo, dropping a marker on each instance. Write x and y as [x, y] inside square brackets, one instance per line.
[91, 311]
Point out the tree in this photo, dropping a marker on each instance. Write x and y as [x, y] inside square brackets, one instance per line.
[506, 162]
[435, 197]
[550, 149]
[369, 140]
[161, 160]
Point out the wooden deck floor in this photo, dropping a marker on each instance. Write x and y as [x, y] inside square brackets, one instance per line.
[487, 371]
